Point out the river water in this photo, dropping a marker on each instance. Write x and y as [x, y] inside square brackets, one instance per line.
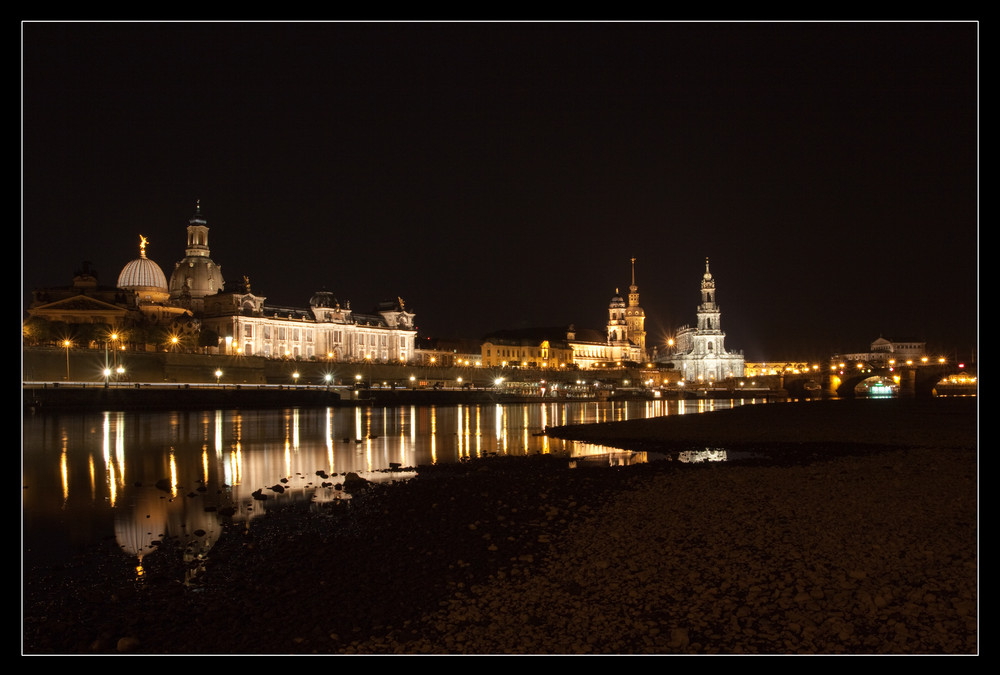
[138, 477]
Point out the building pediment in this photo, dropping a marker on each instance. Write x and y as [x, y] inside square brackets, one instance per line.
[78, 303]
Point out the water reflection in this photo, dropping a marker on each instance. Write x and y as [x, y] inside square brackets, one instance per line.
[148, 476]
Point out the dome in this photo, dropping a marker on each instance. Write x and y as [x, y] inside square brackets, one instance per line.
[142, 273]
[323, 299]
[617, 301]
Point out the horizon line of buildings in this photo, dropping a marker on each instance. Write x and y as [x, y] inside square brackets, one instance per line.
[195, 299]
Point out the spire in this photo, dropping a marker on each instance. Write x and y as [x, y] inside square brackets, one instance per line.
[633, 271]
[197, 217]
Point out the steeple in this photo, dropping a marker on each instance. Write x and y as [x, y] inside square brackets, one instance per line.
[197, 233]
[633, 290]
[196, 275]
[635, 316]
[708, 311]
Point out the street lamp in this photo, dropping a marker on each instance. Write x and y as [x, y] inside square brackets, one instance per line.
[218, 377]
[66, 344]
[120, 371]
[107, 374]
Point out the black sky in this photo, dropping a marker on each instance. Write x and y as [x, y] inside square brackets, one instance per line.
[501, 175]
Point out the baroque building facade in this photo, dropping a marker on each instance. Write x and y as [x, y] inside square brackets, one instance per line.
[247, 325]
[699, 352]
[196, 295]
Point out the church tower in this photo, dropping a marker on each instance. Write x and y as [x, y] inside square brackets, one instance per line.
[708, 310]
[635, 318]
[617, 326]
[196, 275]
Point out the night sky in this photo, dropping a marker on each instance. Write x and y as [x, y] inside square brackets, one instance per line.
[502, 175]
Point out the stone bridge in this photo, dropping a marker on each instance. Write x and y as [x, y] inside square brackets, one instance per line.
[913, 380]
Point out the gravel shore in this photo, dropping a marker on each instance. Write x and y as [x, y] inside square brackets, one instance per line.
[852, 528]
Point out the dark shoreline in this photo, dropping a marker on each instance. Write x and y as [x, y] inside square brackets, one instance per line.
[863, 546]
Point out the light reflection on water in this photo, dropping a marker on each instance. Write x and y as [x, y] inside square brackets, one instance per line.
[144, 476]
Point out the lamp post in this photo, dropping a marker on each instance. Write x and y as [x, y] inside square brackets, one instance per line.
[218, 377]
[66, 344]
[120, 370]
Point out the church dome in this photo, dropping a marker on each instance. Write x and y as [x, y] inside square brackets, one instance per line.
[196, 275]
[617, 301]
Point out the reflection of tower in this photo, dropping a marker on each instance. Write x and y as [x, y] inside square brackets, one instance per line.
[196, 275]
[635, 318]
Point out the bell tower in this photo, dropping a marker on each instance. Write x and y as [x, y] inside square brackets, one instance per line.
[708, 310]
[635, 317]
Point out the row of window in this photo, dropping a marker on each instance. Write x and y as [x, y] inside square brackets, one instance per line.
[307, 335]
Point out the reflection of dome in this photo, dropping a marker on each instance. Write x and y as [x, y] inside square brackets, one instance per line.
[144, 277]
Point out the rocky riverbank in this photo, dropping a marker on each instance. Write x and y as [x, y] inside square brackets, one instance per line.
[851, 530]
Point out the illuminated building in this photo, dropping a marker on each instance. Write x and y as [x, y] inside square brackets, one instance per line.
[699, 352]
[325, 330]
[244, 324]
[624, 340]
[626, 326]
[527, 348]
[883, 351]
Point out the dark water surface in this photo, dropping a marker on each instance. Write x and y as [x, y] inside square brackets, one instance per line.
[140, 478]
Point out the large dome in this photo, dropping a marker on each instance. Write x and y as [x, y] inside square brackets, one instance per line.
[141, 274]
[144, 277]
